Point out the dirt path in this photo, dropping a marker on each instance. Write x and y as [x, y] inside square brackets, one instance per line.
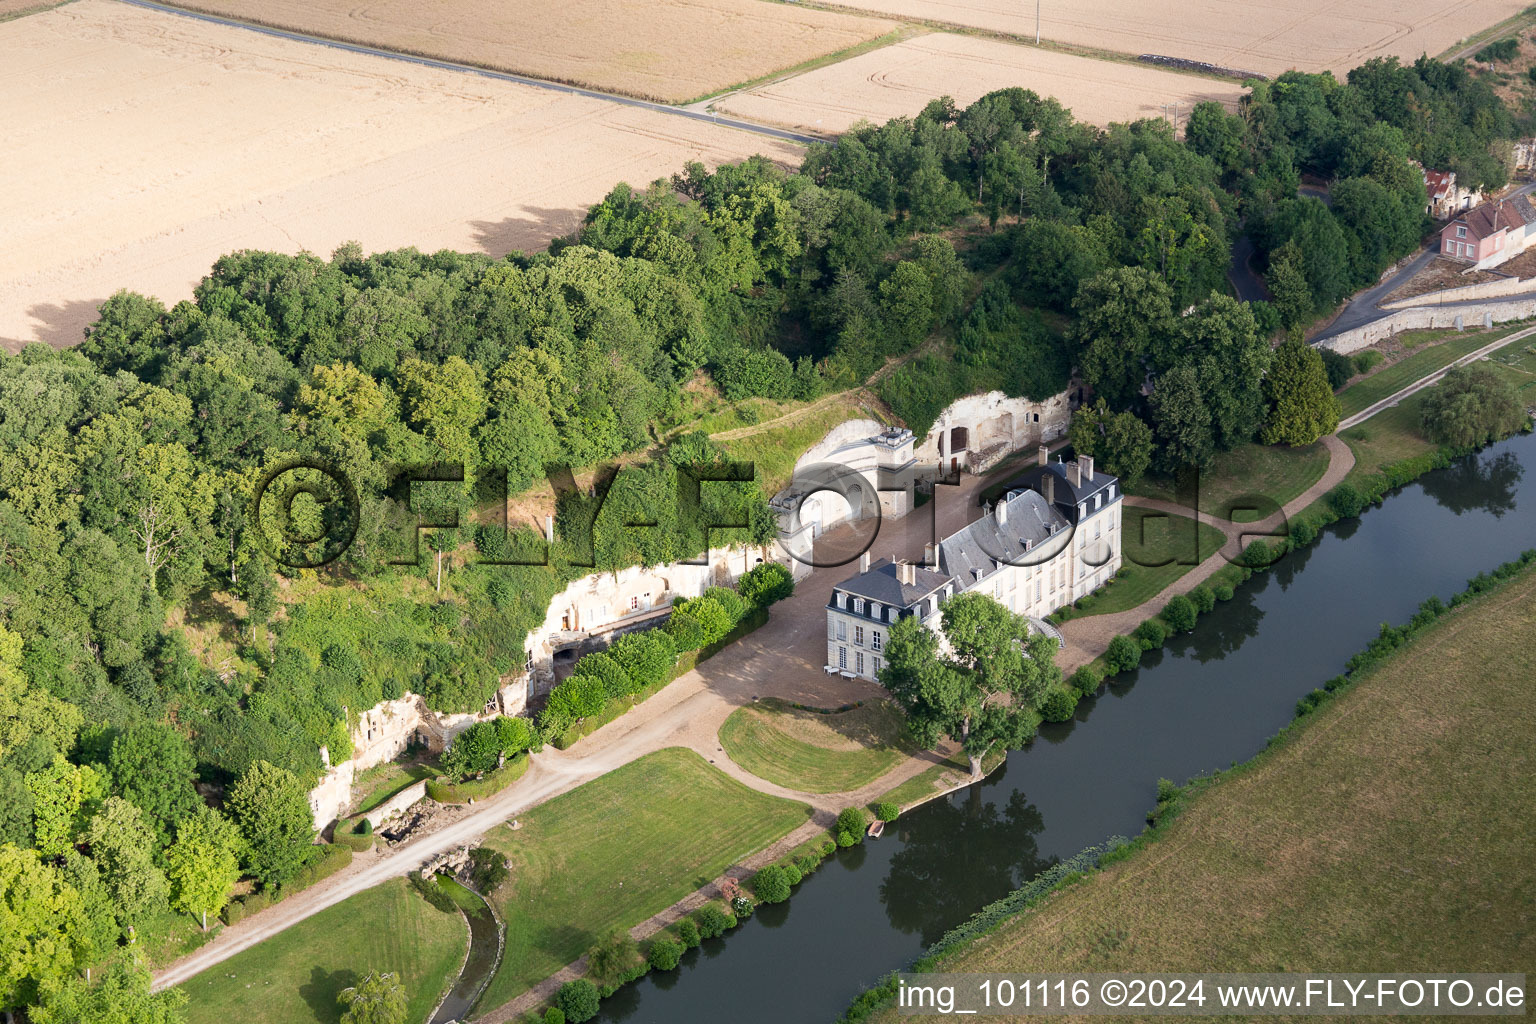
[1089, 637]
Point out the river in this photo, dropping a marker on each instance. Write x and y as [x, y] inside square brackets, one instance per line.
[1211, 698]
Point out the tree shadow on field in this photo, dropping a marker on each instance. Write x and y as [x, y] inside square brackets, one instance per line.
[63, 325]
[323, 987]
[529, 233]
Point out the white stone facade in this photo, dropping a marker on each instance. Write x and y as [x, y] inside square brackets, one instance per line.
[608, 602]
[977, 432]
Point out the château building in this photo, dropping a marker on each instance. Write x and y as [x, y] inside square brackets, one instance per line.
[1051, 539]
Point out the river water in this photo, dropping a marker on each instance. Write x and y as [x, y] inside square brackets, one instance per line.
[1211, 698]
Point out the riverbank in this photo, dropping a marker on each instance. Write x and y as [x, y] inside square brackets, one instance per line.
[1395, 807]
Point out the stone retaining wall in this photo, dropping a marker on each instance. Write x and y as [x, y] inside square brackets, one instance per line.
[1468, 292]
[1430, 318]
[401, 801]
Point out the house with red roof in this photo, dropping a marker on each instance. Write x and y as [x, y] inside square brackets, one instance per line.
[1487, 235]
[1446, 198]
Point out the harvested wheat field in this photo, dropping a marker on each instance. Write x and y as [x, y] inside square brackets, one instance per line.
[667, 50]
[899, 80]
[141, 146]
[1267, 37]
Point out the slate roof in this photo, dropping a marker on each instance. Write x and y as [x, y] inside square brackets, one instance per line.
[881, 584]
[1066, 493]
[972, 553]
[1504, 214]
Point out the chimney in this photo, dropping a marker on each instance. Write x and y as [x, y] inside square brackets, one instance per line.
[909, 573]
[549, 529]
[864, 562]
[1087, 463]
[1075, 474]
[1050, 488]
[930, 555]
[1001, 511]
[1045, 455]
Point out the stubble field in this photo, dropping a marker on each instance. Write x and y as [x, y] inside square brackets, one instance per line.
[667, 50]
[899, 80]
[141, 146]
[1267, 37]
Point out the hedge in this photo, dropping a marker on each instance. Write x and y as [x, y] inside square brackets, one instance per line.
[686, 662]
[354, 842]
[478, 789]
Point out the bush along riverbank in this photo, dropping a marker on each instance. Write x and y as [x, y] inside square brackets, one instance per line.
[1173, 800]
[619, 959]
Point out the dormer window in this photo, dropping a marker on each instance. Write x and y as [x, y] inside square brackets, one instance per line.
[1461, 231]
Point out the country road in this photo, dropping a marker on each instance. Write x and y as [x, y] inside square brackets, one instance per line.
[691, 112]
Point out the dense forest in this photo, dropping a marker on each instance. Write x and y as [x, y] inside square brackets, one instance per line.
[1003, 245]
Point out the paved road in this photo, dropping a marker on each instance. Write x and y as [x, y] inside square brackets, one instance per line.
[693, 113]
[1250, 286]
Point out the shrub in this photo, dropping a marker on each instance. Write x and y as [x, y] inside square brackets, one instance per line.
[487, 869]
[741, 909]
[770, 885]
[355, 842]
[1257, 555]
[433, 893]
[686, 632]
[713, 922]
[766, 584]
[1310, 702]
[1365, 362]
[1223, 592]
[613, 956]
[647, 657]
[1151, 634]
[1202, 597]
[1499, 51]
[1339, 368]
[734, 604]
[793, 873]
[1346, 500]
[554, 1015]
[1180, 614]
[1059, 704]
[577, 1000]
[711, 617]
[1123, 654]
[887, 810]
[600, 666]
[1166, 790]
[364, 827]
[663, 953]
[324, 864]
[849, 828]
[1086, 680]
[687, 933]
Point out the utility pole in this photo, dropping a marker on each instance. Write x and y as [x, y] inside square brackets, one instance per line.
[1037, 22]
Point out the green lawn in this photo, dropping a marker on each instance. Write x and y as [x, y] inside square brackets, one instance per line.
[1391, 379]
[1400, 811]
[933, 780]
[383, 781]
[617, 850]
[775, 448]
[1148, 538]
[815, 753]
[294, 977]
[1225, 487]
[1393, 434]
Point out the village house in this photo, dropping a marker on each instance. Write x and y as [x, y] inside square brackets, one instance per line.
[1446, 198]
[1049, 541]
[1487, 235]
